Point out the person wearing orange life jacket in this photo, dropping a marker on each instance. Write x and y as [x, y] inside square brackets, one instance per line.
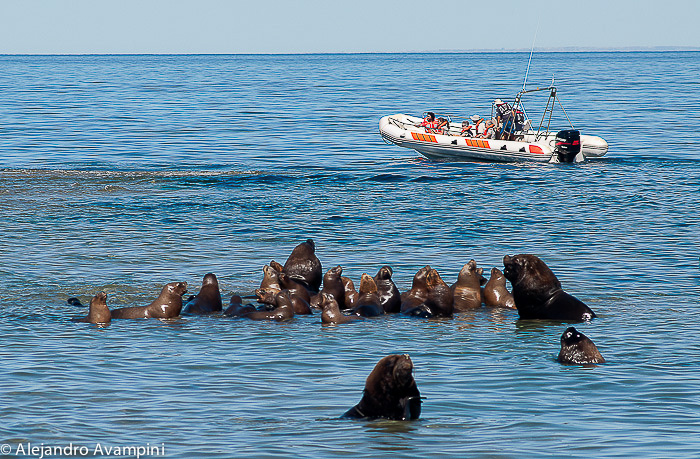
[443, 126]
[476, 129]
[429, 123]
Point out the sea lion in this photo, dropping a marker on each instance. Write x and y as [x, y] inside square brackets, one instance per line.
[237, 309]
[495, 293]
[350, 293]
[577, 349]
[368, 299]
[304, 267]
[467, 289]
[440, 299]
[73, 301]
[99, 312]
[389, 295]
[284, 310]
[208, 300]
[331, 311]
[537, 291]
[333, 285]
[390, 392]
[418, 292]
[166, 306]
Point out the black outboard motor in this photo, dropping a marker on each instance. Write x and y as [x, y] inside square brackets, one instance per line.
[568, 145]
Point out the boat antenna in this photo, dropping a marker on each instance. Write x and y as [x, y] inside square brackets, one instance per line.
[532, 48]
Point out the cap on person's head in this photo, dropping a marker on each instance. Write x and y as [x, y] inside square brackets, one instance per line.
[498, 102]
[475, 117]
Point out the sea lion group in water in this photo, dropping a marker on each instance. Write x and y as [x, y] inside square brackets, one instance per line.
[299, 286]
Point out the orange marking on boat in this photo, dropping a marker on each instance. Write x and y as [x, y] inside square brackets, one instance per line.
[423, 137]
[536, 149]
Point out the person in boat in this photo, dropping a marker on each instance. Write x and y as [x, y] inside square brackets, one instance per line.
[504, 120]
[429, 123]
[443, 126]
[475, 128]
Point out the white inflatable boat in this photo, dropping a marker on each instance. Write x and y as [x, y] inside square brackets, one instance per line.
[540, 144]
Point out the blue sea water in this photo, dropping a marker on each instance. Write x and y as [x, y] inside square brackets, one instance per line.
[123, 173]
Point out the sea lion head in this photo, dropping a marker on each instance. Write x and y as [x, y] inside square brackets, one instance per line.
[276, 266]
[175, 289]
[367, 284]
[384, 273]
[420, 278]
[392, 373]
[577, 348]
[529, 272]
[471, 272]
[270, 272]
[433, 279]
[333, 273]
[210, 279]
[99, 312]
[496, 274]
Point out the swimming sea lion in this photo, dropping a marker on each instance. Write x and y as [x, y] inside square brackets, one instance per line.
[208, 300]
[331, 311]
[577, 349]
[537, 291]
[389, 295]
[418, 292]
[390, 392]
[368, 299]
[73, 301]
[303, 265]
[350, 293]
[467, 289]
[237, 309]
[495, 293]
[267, 295]
[166, 306]
[99, 312]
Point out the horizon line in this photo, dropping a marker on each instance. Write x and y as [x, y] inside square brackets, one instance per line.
[568, 49]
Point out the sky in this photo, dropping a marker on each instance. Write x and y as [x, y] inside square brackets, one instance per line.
[341, 26]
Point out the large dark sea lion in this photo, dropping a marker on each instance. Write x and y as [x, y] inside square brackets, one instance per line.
[467, 289]
[538, 293]
[418, 292]
[304, 267]
[368, 299]
[331, 311]
[208, 300]
[577, 349]
[390, 392]
[166, 306]
[99, 312]
[495, 293]
[389, 295]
